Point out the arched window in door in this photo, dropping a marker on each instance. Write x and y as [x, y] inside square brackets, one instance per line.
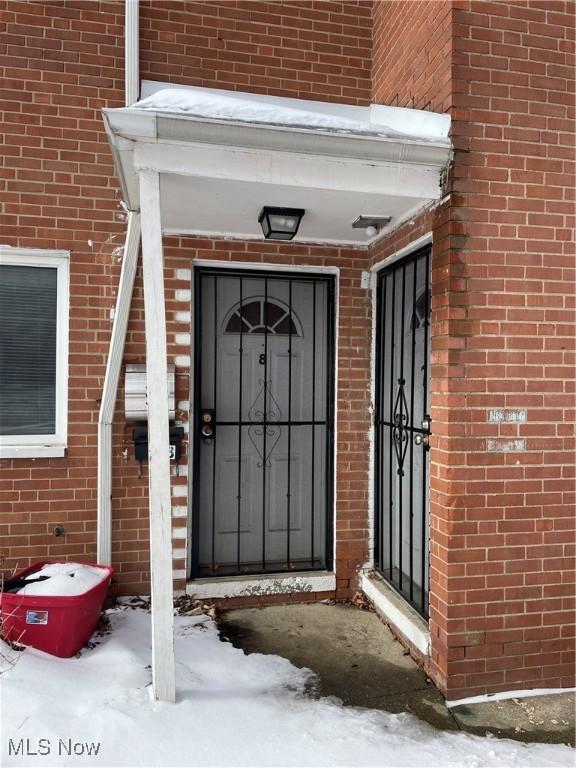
[421, 308]
[258, 315]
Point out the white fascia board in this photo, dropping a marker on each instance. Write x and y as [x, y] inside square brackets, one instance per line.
[312, 141]
[122, 155]
[138, 124]
[132, 123]
[131, 181]
[290, 169]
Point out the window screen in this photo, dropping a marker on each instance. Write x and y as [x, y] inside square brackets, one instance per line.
[28, 302]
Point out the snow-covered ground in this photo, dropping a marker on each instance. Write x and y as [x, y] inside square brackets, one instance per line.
[232, 710]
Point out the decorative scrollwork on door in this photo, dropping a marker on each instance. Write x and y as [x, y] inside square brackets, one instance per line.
[264, 431]
[399, 430]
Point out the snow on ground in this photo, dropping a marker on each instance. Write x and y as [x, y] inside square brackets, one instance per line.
[232, 107]
[232, 710]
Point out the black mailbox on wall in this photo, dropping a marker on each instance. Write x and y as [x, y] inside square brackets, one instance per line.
[140, 436]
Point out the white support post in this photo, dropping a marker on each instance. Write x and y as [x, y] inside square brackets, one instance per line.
[110, 389]
[163, 665]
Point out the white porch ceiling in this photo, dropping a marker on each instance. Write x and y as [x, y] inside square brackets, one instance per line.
[221, 207]
[216, 173]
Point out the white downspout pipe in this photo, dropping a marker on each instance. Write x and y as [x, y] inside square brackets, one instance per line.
[122, 312]
[110, 389]
[131, 53]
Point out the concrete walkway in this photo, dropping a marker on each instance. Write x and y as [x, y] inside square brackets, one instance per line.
[357, 659]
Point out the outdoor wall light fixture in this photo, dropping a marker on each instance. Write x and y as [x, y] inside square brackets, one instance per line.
[371, 224]
[280, 223]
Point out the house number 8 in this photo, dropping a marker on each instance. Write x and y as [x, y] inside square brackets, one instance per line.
[262, 359]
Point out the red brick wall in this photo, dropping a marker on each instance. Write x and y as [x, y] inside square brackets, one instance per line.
[307, 50]
[412, 54]
[510, 513]
[61, 63]
[502, 513]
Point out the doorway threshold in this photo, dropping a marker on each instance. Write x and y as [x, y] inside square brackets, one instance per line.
[397, 613]
[299, 582]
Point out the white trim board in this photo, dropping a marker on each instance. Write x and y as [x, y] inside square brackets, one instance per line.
[265, 266]
[32, 451]
[251, 237]
[387, 176]
[258, 586]
[42, 445]
[504, 695]
[397, 613]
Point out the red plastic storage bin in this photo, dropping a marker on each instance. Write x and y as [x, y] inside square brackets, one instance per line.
[56, 625]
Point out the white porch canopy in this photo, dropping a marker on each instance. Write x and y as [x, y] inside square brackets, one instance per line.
[203, 161]
[222, 155]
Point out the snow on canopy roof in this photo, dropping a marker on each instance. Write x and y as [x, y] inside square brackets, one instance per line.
[233, 107]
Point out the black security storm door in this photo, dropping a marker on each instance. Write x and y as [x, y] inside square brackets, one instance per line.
[263, 422]
[403, 427]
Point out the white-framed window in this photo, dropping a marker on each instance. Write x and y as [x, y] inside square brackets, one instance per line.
[34, 302]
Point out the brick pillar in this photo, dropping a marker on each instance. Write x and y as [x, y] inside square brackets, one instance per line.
[505, 504]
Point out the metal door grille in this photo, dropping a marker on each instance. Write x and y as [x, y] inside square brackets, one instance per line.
[252, 321]
[402, 427]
